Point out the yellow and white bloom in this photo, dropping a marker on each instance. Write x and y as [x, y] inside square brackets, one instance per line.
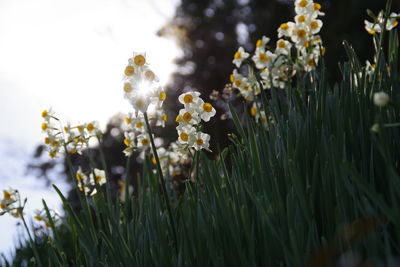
[97, 176]
[189, 99]
[263, 58]
[261, 43]
[206, 111]
[189, 115]
[239, 56]
[143, 140]
[283, 47]
[185, 131]
[200, 141]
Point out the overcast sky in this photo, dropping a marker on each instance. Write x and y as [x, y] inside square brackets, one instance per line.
[68, 55]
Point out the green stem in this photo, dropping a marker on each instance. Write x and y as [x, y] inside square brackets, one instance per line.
[161, 181]
[31, 239]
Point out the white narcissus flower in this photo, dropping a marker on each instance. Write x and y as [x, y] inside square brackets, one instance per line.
[185, 131]
[138, 60]
[140, 102]
[285, 29]
[236, 79]
[189, 98]
[143, 140]
[200, 141]
[206, 111]
[283, 47]
[97, 176]
[189, 116]
[315, 26]
[299, 34]
[263, 58]
[381, 99]
[47, 114]
[303, 6]
[239, 56]
[261, 43]
[161, 118]
[93, 128]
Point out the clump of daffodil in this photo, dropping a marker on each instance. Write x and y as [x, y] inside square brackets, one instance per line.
[298, 49]
[142, 89]
[72, 138]
[141, 85]
[87, 183]
[11, 203]
[195, 110]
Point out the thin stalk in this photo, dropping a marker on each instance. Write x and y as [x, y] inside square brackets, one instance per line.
[161, 181]
[31, 239]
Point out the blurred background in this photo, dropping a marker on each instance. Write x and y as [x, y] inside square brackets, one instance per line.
[70, 55]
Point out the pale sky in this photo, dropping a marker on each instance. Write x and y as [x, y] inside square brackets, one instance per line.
[68, 55]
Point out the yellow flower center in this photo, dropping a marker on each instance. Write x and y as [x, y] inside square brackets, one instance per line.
[301, 33]
[129, 70]
[139, 60]
[187, 117]
[80, 128]
[207, 107]
[317, 7]
[188, 99]
[47, 140]
[44, 126]
[56, 143]
[311, 63]
[303, 3]
[253, 111]
[263, 57]
[154, 160]
[237, 55]
[307, 44]
[184, 137]
[314, 25]
[164, 117]
[178, 118]
[78, 176]
[98, 178]
[66, 129]
[259, 43]
[238, 83]
[162, 96]
[37, 218]
[90, 127]
[301, 18]
[284, 26]
[7, 195]
[199, 141]
[150, 75]
[246, 87]
[139, 124]
[371, 32]
[52, 154]
[395, 23]
[45, 113]
[145, 141]
[3, 206]
[127, 87]
[128, 120]
[281, 44]
[127, 142]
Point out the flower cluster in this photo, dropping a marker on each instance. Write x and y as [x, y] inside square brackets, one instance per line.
[87, 183]
[10, 203]
[195, 110]
[141, 86]
[41, 216]
[377, 25]
[298, 48]
[73, 138]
